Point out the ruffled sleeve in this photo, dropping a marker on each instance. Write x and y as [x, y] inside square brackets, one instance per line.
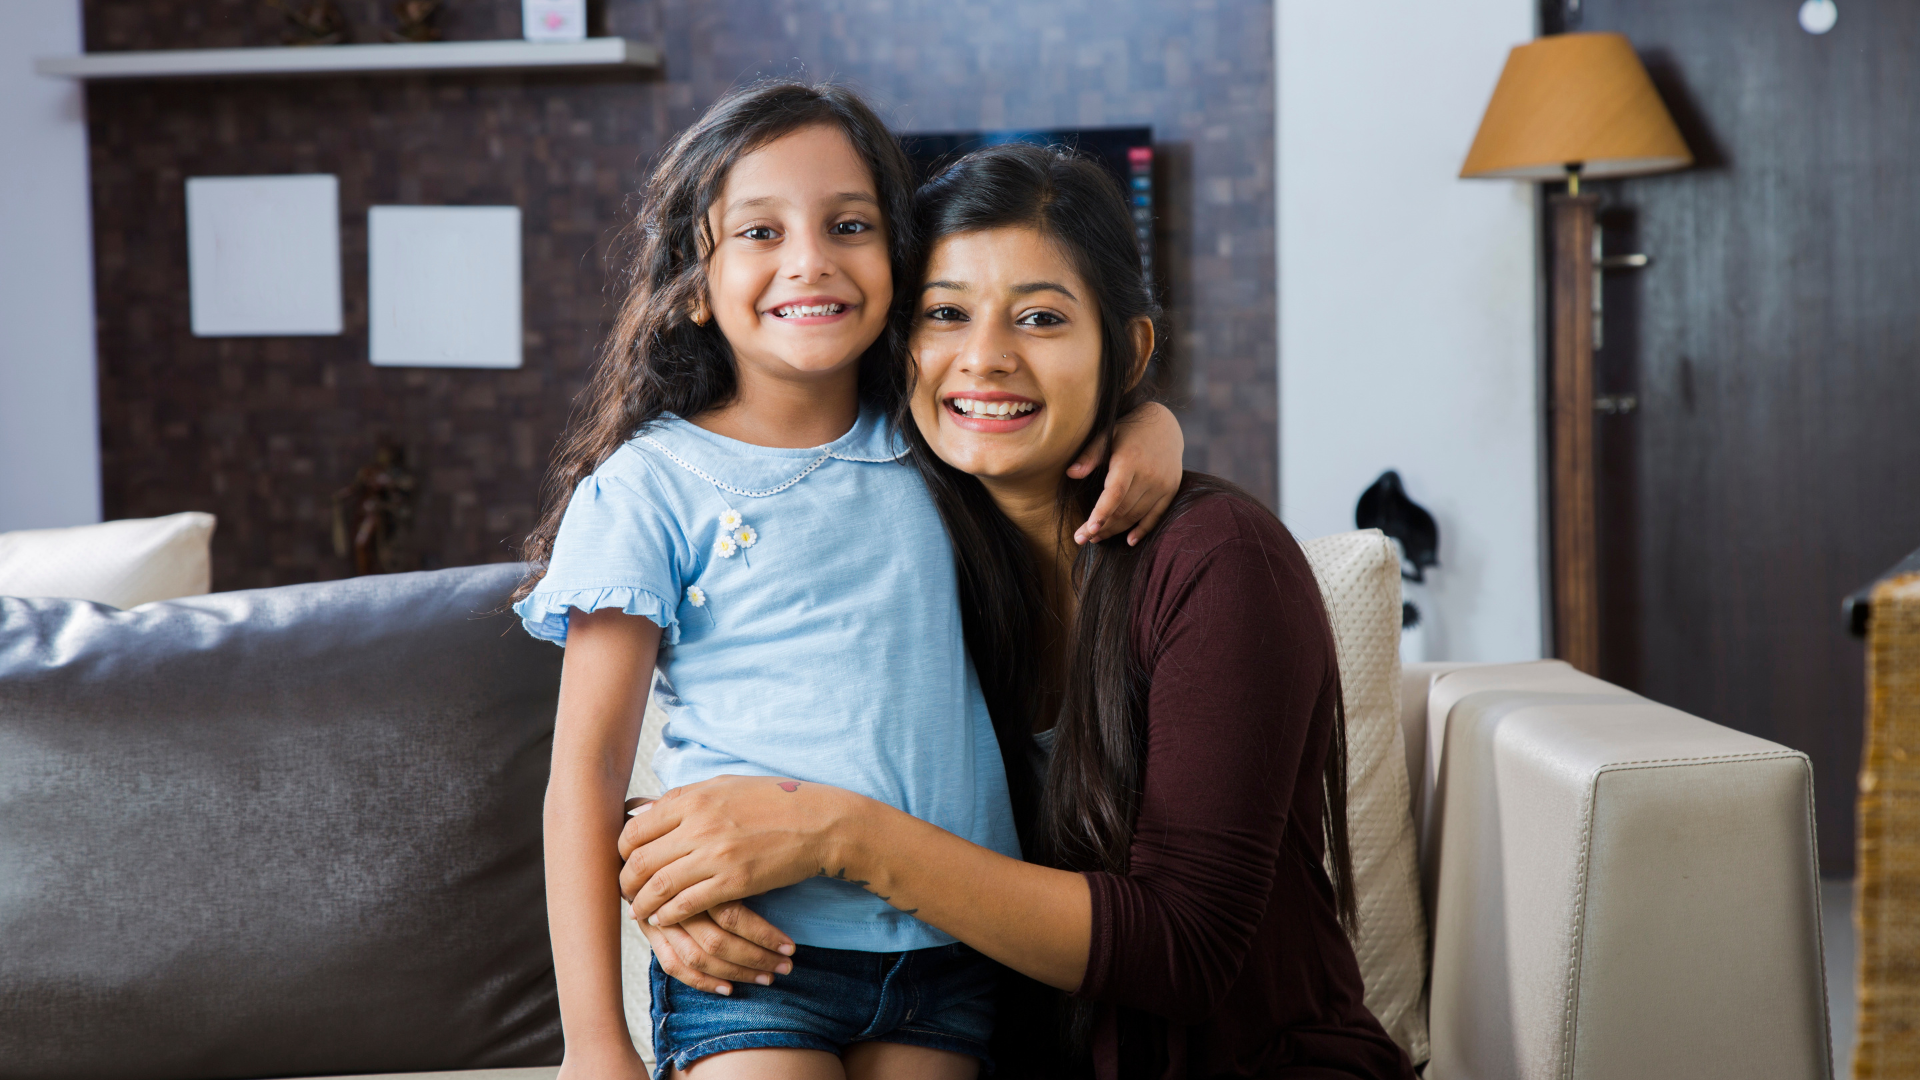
[544, 612]
[618, 547]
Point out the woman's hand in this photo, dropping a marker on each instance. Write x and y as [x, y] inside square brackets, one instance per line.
[727, 838]
[731, 837]
[1143, 475]
[714, 949]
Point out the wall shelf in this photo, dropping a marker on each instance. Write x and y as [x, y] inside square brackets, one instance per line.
[396, 59]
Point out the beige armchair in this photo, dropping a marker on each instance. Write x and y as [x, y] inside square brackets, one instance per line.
[1616, 889]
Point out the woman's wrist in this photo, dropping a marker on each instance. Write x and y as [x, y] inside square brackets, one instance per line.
[1034, 919]
[849, 845]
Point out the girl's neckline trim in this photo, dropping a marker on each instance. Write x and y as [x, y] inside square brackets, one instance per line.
[861, 435]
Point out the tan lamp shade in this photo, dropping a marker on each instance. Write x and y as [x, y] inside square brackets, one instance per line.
[1575, 99]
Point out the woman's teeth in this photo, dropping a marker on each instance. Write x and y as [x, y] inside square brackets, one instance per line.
[802, 311]
[978, 410]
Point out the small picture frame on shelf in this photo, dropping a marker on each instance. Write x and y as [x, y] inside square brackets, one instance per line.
[553, 20]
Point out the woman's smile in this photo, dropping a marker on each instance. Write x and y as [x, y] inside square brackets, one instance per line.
[991, 411]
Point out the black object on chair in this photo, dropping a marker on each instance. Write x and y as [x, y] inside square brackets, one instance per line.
[1386, 506]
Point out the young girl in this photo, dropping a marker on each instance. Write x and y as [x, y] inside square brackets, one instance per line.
[733, 487]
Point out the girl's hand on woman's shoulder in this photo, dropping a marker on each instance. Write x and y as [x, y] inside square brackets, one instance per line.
[1143, 474]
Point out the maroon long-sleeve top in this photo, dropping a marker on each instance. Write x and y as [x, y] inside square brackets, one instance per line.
[1219, 952]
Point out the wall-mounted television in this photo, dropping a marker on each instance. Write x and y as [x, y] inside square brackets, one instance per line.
[1126, 151]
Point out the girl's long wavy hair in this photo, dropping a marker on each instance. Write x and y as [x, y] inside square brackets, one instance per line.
[657, 359]
[1083, 817]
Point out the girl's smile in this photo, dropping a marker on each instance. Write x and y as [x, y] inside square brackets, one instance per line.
[812, 311]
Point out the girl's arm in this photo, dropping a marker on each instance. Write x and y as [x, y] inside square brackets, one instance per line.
[603, 695]
[1143, 474]
[741, 835]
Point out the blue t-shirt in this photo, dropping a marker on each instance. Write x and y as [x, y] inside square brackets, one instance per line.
[812, 630]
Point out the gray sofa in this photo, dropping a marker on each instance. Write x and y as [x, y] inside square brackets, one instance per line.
[283, 832]
[296, 832]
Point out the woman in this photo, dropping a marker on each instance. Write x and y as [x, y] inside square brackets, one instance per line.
[1191, 781]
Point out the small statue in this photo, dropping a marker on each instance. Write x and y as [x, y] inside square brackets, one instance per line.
[373, 516]
[416, 19]
[311, 22]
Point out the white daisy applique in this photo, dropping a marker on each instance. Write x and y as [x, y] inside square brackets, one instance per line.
[696, 596]
[735, 534]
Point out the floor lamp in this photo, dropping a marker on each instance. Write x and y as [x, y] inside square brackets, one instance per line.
[1567, 107]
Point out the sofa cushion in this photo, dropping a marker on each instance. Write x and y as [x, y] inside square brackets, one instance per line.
[1359, 575]
[281, 832]
[120, 563]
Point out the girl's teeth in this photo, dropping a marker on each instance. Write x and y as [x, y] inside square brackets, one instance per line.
[802, 311]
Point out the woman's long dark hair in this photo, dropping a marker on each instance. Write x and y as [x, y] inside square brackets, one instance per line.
[1083, 817]
[657, 359]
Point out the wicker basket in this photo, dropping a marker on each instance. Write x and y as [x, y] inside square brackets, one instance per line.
[1887, 893]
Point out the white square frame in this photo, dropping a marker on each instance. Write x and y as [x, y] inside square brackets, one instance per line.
[444, 286]
[263, 255]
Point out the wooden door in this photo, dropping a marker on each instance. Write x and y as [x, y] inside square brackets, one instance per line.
[1771, 463]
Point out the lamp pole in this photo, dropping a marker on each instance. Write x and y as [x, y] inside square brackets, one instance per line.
[1576, 567]
[1569, 104]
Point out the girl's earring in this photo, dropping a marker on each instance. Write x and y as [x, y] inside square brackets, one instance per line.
[700, 315]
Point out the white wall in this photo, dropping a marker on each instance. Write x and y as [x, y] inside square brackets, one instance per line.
[49, 425]
[1408, 314]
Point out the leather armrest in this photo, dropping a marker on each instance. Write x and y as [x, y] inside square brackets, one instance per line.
[1416, 686]
[1621, 890]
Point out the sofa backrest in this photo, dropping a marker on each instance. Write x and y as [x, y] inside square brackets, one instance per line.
[1359, 578]
[279, 832]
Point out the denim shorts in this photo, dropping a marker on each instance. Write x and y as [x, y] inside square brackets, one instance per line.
[940, 998]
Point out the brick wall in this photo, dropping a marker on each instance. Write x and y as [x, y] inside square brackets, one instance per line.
[262, 431]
